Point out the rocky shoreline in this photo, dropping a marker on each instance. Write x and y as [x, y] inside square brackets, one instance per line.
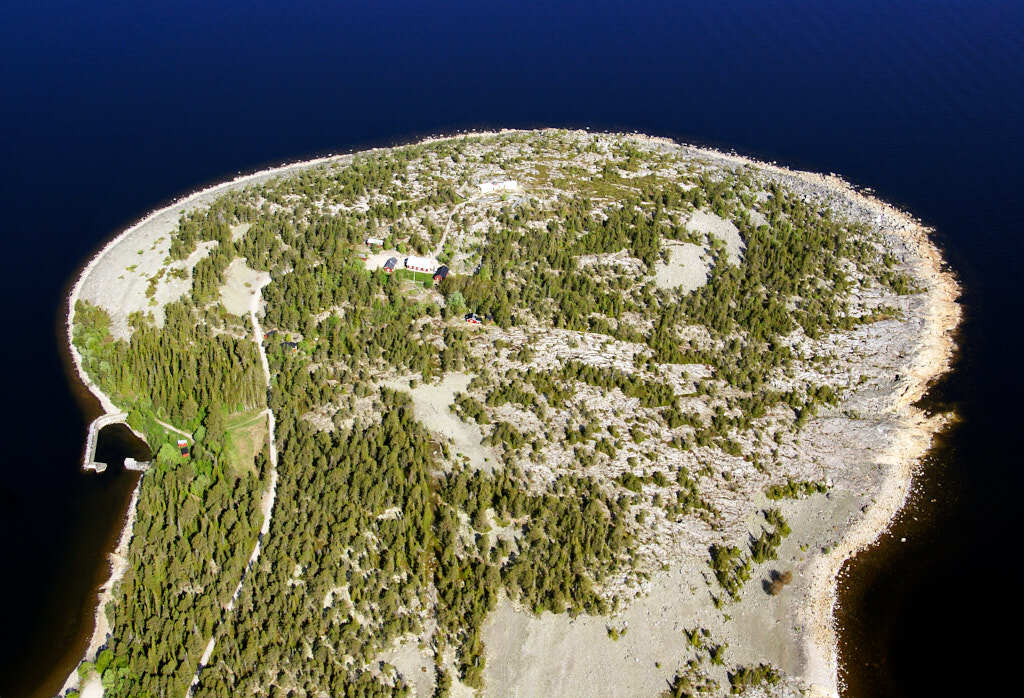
[916, 429]
[908, 446]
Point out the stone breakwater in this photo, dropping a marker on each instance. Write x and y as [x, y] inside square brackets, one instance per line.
[92, 436]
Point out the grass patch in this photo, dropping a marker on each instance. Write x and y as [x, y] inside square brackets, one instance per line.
[245, 435]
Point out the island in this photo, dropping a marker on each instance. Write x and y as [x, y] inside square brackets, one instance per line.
[515, 413]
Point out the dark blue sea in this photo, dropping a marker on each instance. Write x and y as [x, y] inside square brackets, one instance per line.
[109, 109]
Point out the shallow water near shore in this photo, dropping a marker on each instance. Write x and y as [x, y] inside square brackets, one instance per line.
[921, 607]
[94, 509]
[875, 607]
[920, 103]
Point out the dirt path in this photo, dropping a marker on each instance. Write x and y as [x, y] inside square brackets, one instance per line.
[447, 226]
[267, 505]
[175, 429]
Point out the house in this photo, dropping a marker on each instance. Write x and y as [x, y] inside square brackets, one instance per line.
[473, 319]
[389, 266]
[379, 242]
[499, 185]
[440, 274]
[420, 264]
[290, 346]
[183, 448]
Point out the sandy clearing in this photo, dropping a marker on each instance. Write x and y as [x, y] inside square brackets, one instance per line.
[556, 655]
[376, 260]
[119, 283]
[93, 688]
[710, 224]
[415, 665]
[687, 267]
[431, 406]
[239, 231]
[241, 283]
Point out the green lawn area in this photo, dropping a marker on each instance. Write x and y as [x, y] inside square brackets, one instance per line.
[247, 433]
[418, 276]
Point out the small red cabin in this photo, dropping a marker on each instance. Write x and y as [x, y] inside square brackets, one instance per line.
[440, 274]
[473, 319]
[389, 266]
[183, 447]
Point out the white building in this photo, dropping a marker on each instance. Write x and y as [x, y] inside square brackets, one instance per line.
[379, 242]
[421, 264]
[499, 185]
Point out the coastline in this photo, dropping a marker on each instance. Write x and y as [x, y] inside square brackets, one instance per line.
[118, 557]
[900, 458]
[820, 643]
[118, 566]
[903, 454]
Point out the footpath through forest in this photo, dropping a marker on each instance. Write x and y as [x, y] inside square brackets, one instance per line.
[267, 505]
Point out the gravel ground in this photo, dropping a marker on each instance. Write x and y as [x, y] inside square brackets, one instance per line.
[687, 267]
[431, 405]
[710, 224]
[240, 285]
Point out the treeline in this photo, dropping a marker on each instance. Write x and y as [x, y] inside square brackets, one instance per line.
[196, 519]
[367, 532]
[179, 373]
[187, 554]
[651, 394]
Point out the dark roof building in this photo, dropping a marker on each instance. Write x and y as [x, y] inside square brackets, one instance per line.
[441, 273]
[389, 266]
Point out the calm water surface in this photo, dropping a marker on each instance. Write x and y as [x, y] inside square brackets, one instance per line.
[108, 110]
